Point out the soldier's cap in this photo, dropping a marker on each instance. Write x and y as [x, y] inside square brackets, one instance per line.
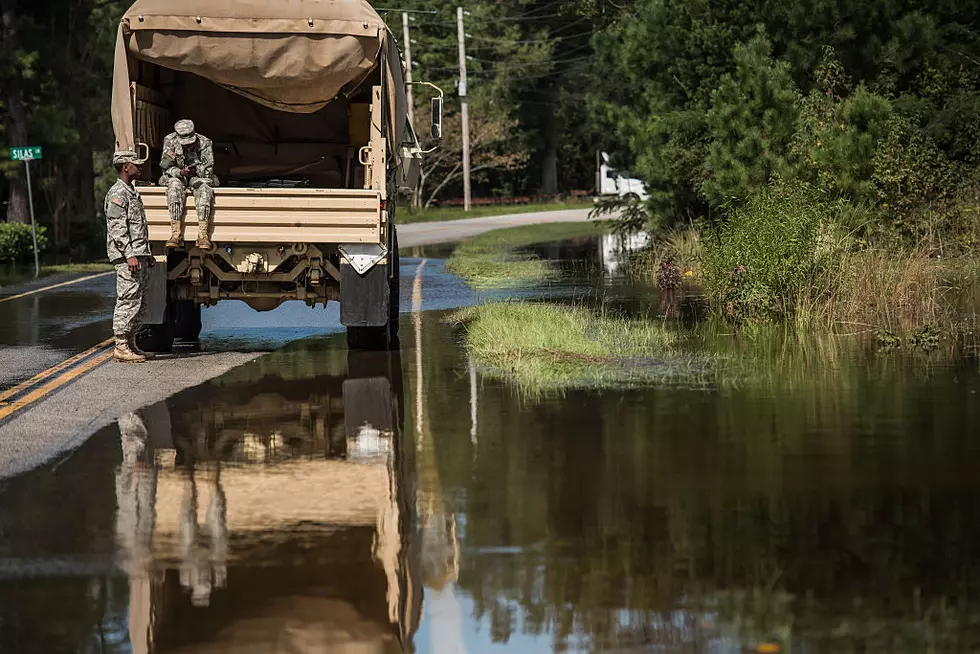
[120, 157]
[185, 132]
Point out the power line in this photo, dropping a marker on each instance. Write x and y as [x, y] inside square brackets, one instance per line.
[408, 11]
[547, 61]
[546, 7]
[490, 21]
[541, 75]
[550, 39]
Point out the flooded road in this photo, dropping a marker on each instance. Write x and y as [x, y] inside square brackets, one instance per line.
[312, 501]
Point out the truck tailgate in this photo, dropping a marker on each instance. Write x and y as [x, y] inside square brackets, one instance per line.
[275, 215]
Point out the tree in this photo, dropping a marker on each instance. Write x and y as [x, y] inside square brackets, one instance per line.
[491, 150]
[16, 65]
[751, 123]
[496, 56]
[703, 130]
[58, 94]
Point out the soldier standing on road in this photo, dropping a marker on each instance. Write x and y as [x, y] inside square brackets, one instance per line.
[128, 248]
[188, 161]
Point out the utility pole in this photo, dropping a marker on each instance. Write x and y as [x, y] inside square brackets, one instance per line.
[465, 109]
[408, 69]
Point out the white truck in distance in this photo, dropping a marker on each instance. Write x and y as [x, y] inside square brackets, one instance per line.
[610, 182]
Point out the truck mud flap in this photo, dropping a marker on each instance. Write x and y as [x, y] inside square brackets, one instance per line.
[368, 417]
[156, 293]
[364, 299]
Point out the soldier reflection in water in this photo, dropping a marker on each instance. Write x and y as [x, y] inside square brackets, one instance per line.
[202, 567]
[136, 482]
[199, 566]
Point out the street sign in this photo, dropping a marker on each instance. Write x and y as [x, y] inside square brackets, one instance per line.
[29, 153]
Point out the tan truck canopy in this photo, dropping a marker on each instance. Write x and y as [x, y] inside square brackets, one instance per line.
[292, 56]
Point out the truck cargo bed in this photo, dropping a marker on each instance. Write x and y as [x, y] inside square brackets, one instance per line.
[275, 215]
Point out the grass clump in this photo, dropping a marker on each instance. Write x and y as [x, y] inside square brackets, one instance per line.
[548, 346]
[77, 268]
[677, 249]
[493, 260]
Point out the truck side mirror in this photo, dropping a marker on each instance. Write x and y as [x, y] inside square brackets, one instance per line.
[437, 118]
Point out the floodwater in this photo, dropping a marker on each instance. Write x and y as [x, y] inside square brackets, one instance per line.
[313, 501]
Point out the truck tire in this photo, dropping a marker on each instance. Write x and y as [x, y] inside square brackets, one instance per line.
[373, 392]
[186, 323]
[386, 336]
[157, 339]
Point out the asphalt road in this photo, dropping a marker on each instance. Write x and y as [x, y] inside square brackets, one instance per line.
[418, 234]
[43, 329]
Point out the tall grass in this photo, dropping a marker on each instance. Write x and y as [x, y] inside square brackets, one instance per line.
[774, 256]
[785, 256]
[892, 289]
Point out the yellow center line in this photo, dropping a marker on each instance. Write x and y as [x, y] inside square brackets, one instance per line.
[53, 370]
[54, 385]
[54, 286]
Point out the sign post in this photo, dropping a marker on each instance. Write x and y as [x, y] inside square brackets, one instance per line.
[27, 155]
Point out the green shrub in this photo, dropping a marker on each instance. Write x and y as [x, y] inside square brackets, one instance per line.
[751, 124]
[774, 256]
[16, 242]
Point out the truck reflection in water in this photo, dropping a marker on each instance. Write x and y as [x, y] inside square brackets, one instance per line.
[271, 511]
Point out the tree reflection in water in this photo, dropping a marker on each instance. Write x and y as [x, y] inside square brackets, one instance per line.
[827, 503]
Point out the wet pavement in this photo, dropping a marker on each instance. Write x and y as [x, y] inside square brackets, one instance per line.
[315, 501]
[41, 330]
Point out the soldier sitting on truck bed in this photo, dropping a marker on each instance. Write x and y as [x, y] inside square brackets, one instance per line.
[188, 161]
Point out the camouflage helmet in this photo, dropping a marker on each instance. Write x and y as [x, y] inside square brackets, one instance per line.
[185, 132]
[120, 157]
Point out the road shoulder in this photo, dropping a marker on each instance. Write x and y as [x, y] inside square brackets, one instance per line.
[65, 419]
[432, 233]
[47, 281]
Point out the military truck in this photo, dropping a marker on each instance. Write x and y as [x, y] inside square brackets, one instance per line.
[306, 105]
[273, 510]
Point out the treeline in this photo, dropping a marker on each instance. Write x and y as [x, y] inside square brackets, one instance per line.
[529, 66]
[55, 83]
[875, 102]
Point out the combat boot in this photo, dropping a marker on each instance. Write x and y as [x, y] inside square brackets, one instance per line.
[176, 235]
[136, 348]
[203, 226]
[123, 353]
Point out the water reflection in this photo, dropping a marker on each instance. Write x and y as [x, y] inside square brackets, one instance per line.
[826, 503]
[831, 509]
[269, 511]
[58, 319]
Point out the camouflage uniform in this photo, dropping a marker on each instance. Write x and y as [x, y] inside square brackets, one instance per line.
[127, 236]
[136, 483]
[201, 179]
